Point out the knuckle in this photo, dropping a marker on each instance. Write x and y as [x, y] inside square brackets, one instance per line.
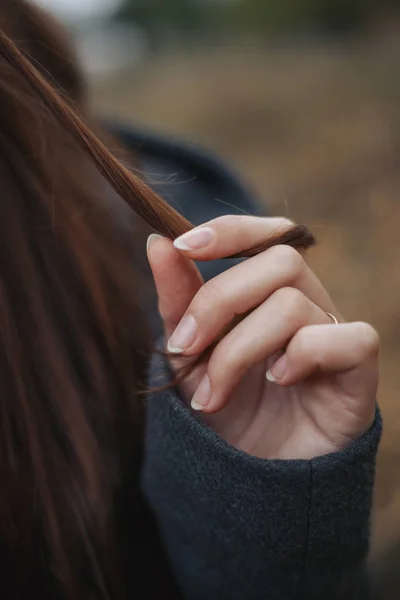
[209, 295]
[368, 337]
[292, 302]
[290, 260]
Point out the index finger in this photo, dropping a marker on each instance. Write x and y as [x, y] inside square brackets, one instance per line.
[229, 235]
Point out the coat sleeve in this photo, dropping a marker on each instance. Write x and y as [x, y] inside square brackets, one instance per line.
[240, 528]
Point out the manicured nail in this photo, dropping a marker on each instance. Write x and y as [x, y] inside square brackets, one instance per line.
[202, 395]
[152, 238]
[196, 239]
[278, 370]
[183, 336]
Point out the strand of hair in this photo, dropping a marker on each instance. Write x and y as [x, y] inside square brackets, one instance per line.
[139, 196]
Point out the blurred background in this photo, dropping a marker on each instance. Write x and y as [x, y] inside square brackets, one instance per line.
[302, 97]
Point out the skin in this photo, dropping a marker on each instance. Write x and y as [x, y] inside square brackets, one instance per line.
[321, 388]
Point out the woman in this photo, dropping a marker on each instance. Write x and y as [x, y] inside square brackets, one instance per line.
[240, 464]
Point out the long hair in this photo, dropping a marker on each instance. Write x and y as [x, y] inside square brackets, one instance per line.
[73, 347]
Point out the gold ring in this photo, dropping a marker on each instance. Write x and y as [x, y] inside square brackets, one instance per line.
[334, 319]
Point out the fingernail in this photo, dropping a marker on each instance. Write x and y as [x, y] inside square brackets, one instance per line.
[183, 336]
[278, 370]
[196, 239]
[202, 395]
[152, 238]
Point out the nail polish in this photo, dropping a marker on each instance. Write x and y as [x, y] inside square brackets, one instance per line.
[196, 239]
[278, 370]
[202, 396]
[152, 238]
[183, 336]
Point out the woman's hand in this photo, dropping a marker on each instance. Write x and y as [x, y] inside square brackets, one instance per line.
[286, 381]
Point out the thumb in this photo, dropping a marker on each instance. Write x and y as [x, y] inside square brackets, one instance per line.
[176, 277]
[349, 354]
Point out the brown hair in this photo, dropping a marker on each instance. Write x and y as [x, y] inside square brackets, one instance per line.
[73, 350]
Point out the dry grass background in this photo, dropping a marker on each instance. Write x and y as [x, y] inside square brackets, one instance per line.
[316, 131]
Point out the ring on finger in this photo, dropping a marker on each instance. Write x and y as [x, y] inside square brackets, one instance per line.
[333, 318]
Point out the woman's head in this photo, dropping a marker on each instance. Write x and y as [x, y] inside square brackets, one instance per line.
[73, 348]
